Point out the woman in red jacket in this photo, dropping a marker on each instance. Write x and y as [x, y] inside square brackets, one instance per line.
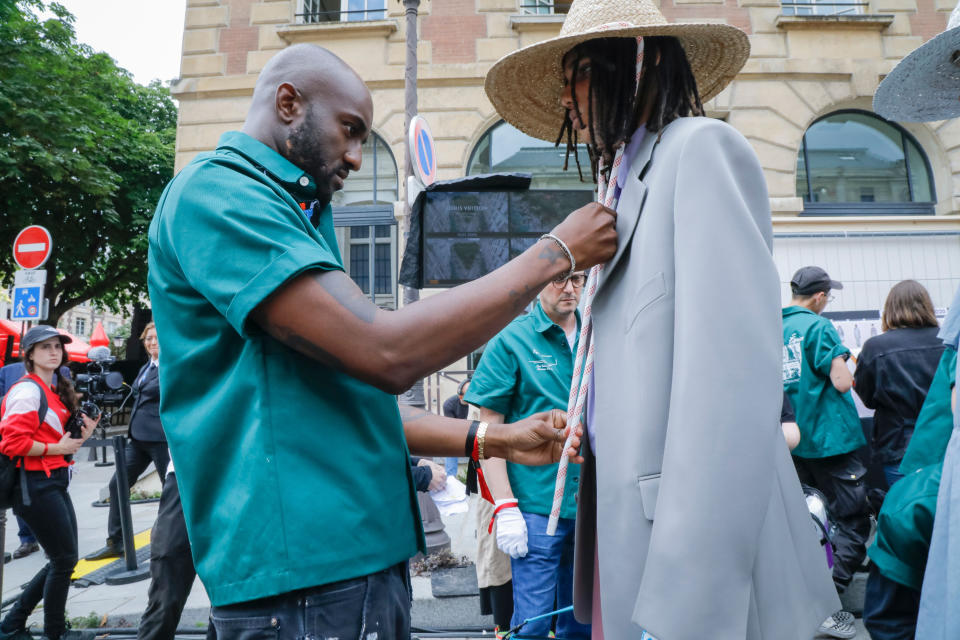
[42, 447]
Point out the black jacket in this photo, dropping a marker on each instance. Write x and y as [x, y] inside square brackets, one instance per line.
[145, 415]
[893, 375]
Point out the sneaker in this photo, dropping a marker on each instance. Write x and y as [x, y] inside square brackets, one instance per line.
[25, 549]
[836, 629]
[113, 549]
[844, 617]
[19, 634]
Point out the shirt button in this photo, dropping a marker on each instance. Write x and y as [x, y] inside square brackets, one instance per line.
[304, 181]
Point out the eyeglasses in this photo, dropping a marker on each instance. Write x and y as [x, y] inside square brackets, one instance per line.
[577, 280]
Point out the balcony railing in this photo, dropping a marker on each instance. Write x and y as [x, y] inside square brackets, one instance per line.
[816, 8]
[315, 11]
[544, 7]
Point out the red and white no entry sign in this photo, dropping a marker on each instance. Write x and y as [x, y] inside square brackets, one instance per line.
[32, 247]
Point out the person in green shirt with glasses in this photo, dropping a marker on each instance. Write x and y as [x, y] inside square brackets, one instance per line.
[279, 374]
[818, 382]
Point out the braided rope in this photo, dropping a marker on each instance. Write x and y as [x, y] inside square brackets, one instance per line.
[583, 364]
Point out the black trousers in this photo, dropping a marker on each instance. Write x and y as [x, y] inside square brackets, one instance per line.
[171, 568]
[139, 455]
[54, 523]
[841, 480]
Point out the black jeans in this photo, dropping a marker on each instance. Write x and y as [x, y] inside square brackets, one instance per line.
[53, 521]
[171, 569]
[890, 609]
[373, 607]
[139, 455]
[841, 479]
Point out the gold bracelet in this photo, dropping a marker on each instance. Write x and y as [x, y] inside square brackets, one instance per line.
[481, 436]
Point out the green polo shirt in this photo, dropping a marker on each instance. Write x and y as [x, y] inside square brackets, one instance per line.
[292, 474]
[828, 419]
[527, 368]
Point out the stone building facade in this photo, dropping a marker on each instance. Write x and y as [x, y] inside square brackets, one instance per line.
[873, 202]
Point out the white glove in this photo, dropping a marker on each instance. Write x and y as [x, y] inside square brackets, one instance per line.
[511, 530]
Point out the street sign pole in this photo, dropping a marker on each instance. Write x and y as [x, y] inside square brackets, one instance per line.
[31, 250]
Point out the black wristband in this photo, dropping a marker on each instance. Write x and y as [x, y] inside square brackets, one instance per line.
[471, 438]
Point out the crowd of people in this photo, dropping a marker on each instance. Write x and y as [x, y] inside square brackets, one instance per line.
[662, 504]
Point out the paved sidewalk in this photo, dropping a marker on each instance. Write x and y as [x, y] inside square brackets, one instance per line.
[122, 606]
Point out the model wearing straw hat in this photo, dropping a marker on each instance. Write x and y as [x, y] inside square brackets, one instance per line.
[691, 520]
[923, 87]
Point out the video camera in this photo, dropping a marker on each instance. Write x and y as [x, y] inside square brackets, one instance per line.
[100, 388]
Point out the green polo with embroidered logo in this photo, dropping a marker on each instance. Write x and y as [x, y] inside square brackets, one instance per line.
[292, 474]
[525, 369]
[827, 419]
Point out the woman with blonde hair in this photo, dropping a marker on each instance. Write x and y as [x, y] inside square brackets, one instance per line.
[895, 369]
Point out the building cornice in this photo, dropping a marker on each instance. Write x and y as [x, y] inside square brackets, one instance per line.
[877, 22]
[320, 31]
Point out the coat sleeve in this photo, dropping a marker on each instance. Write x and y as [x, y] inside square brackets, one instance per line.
[865, 377]
[725, 394]
[21, 419]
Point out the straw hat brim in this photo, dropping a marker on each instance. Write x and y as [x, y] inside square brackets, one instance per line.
[525, 85]
[924, 86]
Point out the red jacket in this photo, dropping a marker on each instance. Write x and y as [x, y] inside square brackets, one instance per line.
[19, 426]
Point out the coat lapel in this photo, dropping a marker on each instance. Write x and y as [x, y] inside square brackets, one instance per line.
[631, 203]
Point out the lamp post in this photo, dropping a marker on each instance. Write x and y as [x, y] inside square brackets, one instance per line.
[414, 395]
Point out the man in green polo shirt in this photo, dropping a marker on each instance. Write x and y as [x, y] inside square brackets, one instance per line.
[818, 383]
[279, 374]
[528, 368]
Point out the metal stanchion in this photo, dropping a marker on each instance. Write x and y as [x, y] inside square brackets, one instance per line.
[132, 573]
[3, 538]
[103, 462]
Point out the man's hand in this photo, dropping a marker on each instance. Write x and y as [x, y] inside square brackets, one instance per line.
[535, 440]
[590, 233]
[438, 478]
[511, 530]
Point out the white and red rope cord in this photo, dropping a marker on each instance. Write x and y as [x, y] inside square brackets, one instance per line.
[583, 364]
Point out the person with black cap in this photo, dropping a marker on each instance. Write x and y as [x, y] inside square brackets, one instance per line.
[35, 433]
[818, 382]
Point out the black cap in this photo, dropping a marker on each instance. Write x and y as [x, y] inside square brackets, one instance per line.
[40, 333]
[809, 280]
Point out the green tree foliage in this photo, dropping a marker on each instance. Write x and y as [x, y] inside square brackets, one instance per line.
[84, 151]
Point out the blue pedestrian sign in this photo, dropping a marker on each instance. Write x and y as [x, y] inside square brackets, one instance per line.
[28, 303]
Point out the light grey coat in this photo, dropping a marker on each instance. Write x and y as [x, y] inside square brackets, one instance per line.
[703, 529]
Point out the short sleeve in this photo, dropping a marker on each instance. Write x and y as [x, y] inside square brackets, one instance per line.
[495, 379]
[822, 345]
[950, 331]
[236, 237]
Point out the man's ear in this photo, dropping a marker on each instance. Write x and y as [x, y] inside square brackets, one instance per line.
[289, 103]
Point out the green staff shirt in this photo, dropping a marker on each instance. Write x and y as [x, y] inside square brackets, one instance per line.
[292, 474]
[527, 368]
[828, 420]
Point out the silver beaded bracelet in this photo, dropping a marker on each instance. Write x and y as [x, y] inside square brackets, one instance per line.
[566, 250]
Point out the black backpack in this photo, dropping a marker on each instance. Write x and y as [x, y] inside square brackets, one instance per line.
[10, 475]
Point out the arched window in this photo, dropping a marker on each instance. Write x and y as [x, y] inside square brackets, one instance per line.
[504, 148]
[376, 182]
[365, 225]
[854, 162]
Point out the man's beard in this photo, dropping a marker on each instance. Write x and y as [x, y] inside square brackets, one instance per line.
[306, 151]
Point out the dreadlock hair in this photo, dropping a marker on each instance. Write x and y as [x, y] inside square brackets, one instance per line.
[64, 385]
[667, 91]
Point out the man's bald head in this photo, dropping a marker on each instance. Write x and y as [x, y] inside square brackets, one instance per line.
[313, 109]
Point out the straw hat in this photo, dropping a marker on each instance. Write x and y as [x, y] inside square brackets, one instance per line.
[925, 85]
[525, 86]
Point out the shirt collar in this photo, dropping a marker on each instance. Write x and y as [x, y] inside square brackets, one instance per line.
[297, 183]
[542, 322]
[630, 153]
